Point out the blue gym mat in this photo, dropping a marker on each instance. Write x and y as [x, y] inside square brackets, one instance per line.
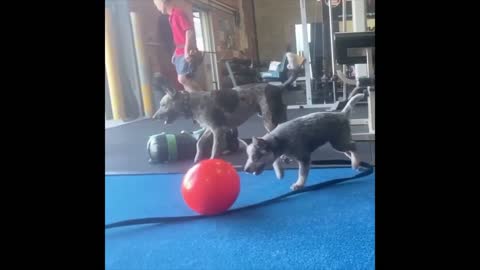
[332, 228]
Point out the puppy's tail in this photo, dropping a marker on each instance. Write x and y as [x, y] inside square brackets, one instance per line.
[351, 103]
[155, 115]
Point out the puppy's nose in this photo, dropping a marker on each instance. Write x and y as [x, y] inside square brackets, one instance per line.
[247, 169]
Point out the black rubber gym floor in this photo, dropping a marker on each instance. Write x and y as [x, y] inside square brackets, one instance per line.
[125, 145]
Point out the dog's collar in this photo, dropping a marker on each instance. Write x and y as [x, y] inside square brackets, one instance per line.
[186, 108]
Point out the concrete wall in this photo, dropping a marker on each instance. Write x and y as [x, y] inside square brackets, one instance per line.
[276, 21]
[243, 33]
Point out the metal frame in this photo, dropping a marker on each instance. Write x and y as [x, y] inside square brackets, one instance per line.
[142, 67]
[306, 48]
[359, 20]
[332, 48]
[209, 42]
[311, 106]
[129, 55]
[308, 65]
[118, 21]
[344, 24]
[111, 67]
[359, 24]
[210, 45]
[371, 92]
[363, 137]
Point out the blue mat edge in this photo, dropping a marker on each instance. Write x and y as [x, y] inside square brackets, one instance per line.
[238, 170]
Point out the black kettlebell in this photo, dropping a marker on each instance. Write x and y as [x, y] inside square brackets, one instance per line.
[165, 147]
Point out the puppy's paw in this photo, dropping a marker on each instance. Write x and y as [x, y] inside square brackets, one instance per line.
[278, 170]
[361, 169]
[279, 174]
[356, 165]
[296, 186]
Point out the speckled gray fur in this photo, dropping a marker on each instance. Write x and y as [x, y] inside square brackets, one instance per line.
[299, 137]
[225, 109]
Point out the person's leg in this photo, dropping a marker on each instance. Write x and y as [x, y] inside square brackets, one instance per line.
[186, 71]
[188, 83]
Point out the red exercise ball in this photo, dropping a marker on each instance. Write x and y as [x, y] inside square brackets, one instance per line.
[211, 186]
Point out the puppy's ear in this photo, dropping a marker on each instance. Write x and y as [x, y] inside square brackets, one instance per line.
[171, 91]
[260, 143]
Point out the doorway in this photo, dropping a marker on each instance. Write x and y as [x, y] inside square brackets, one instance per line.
[208, 71]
